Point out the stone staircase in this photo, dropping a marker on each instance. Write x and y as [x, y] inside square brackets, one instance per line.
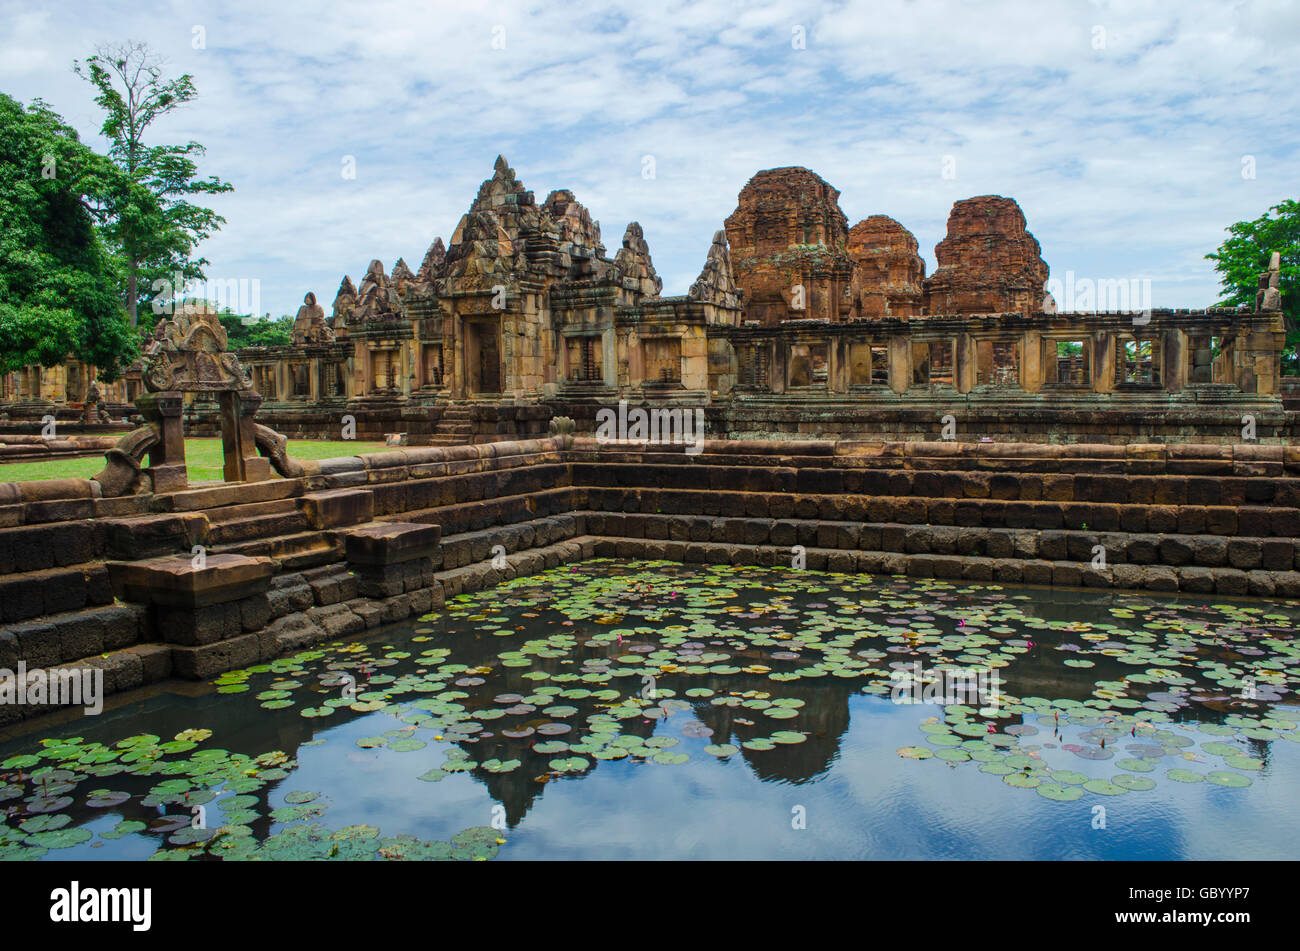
[116, 584]
[455, 427]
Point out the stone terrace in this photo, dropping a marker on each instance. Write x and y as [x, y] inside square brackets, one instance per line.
[192, 583]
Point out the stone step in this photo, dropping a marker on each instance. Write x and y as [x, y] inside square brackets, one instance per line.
[1197, 579]
[235, 493]
[295, 552]
[469, 547]
[231, 513]
[337, 508]
[258, 526]
[1078, 547]
[52, 591]
[1254, 521]
[503, 510]
[117, 670]
[67, 636]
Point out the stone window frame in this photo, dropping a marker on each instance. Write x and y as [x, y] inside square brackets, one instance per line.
[435, 345]
[874, 347]
[1218, 343]
[591, 353]
[660, 381]
[1017, 345]
[264, 374]
[392, 382]
[292, 368]
[754, 365]
[1158, 375]
[1085, 352]
[929, 383]
[812, 346]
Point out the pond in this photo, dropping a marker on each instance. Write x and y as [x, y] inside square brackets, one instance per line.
[650, 710]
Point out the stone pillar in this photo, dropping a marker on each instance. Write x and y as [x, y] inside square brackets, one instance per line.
[1102, 365]
[608, 359]
[1031, 362]
[238, 442]
[167, 458]
[839, 370]
[776, 371]
[1173, 360]
[965, 363]
[900, 363]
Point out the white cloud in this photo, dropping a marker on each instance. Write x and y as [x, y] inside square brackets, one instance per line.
[1126, 159]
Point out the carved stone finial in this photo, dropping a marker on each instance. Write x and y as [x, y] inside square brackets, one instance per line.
[1269, 298]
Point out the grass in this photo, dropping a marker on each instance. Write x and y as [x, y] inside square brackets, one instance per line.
[203, 460]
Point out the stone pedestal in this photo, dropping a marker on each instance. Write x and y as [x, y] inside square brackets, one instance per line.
[209, 609]
[238, 443]
[390, 558]
[166, 458]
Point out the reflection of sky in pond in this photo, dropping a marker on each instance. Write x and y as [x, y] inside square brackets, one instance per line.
[845, 779]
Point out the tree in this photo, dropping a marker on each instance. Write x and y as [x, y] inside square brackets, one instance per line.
[157, 247]
[59, 284]
[257, 332]
[1245, 254]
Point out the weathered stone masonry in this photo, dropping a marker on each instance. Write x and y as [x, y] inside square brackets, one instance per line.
[359, 541]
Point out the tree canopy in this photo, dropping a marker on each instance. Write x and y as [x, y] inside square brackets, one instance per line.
[132, 91]
[60, 286]
[1245, 254]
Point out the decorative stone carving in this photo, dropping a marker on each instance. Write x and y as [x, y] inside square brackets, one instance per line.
[402, 277]
[345, 302]
[121, 474]
[716, 283]
[94, 410]
[1269, 297]
[433, 266]
[377, 300]
[188, 353]
[309, 325]
[633, 262]
[273, 445]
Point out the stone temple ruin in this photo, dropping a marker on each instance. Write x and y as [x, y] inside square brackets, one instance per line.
[797, 325]
[822, 357]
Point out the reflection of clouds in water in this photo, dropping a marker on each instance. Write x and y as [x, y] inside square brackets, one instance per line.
[860, 799]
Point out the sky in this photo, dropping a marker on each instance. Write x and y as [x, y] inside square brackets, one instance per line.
[1132, 133]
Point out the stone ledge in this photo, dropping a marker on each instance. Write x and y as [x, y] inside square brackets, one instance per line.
[388, 543]
[178, 582]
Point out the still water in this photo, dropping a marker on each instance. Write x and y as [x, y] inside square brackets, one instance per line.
[652, 710]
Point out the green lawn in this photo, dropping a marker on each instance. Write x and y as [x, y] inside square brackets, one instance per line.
[202, 458]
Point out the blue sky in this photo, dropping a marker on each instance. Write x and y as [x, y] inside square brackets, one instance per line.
[1120, 127]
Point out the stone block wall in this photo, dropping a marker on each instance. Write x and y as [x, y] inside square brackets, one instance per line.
[377, 538]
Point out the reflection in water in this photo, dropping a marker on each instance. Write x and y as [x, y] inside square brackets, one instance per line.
[660, 710]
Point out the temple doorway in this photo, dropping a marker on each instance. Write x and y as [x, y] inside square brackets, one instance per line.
[483, 356]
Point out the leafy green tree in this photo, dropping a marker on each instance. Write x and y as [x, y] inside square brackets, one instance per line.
[59, 284]
[257, 331]
[156, 247]
[1246, 253]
